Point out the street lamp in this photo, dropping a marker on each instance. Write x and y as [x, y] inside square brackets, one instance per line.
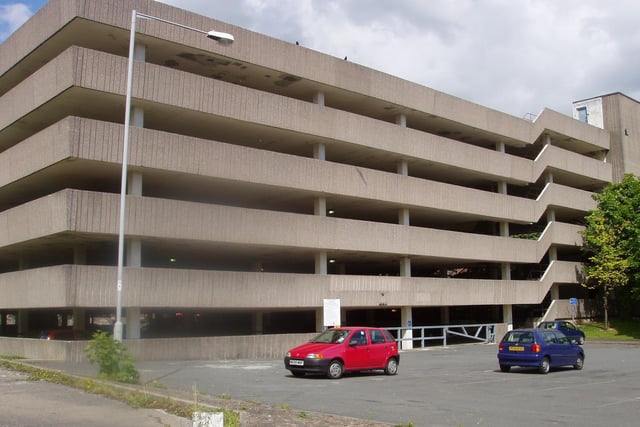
[220, 37]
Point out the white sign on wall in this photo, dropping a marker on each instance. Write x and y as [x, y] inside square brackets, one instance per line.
[331, 314]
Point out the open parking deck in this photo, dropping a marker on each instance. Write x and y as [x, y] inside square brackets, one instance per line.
[454, 386]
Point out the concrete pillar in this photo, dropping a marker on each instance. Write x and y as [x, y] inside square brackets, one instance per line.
[319, 151]
[320, 206]
[504, 229]
[319, 319]
[553, 253]
[401, 120]
[403, 216]
[555, 291]
[258, 322]
[506, 271]
[321, 263]
[23, 262]
[79, 255]
[318, 98]
[139, 52]
[507, 316]
[79, 316]
[551, 215]
[407, 322]
[403, 213]
[546, 139]
[500, 147]
[133, 323]
[403, 168]
[445, 317]
[405, 267]
[22, 323]
[134, 253]
[502, 187]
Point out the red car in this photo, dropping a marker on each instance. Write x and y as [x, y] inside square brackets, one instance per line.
[64, 335]
[339, 350]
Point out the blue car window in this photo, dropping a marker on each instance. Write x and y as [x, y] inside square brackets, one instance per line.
[526, 338]
[549, 338]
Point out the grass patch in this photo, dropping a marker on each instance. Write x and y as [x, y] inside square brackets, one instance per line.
[132, 397]
[6, 357]
[618, 330]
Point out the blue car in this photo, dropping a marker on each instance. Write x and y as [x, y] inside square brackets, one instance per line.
[566, 327]
[539, 348]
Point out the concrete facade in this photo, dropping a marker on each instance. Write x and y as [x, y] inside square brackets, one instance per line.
[620, 116]
[266, 177]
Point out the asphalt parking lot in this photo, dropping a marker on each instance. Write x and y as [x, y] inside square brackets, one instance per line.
[454, 386]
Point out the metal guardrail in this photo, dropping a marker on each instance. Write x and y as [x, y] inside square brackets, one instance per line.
[484, 332]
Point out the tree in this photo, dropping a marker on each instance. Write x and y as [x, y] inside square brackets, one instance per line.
[611, 240]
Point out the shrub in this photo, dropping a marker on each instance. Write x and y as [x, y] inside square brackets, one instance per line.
[113, 360]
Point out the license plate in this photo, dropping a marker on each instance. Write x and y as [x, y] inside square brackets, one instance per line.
[516, 348]
[296, 362]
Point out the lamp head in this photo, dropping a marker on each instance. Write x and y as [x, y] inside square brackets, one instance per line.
[222, 38]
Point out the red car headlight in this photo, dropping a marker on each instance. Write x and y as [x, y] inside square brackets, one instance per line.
[315, 356]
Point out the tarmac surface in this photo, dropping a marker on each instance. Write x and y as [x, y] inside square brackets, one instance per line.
[454, 386]
[26, 403]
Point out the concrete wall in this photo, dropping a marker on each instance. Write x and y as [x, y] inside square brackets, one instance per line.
[94, 286]
[204, 348]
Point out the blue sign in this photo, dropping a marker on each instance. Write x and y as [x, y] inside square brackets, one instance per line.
[573, 301]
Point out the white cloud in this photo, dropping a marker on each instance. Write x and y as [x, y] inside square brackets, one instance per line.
[514, 56]
[12, 16]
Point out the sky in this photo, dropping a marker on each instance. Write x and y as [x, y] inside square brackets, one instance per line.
[515, 56]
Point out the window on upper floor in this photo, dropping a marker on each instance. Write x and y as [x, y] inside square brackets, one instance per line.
[582, 114]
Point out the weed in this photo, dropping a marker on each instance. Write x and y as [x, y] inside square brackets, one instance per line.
[7, 357]
[113, 360]
[132, 397]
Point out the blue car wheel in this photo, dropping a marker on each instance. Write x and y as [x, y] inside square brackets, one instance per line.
[545, 365]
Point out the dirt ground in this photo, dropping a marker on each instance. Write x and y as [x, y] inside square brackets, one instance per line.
[257, 414]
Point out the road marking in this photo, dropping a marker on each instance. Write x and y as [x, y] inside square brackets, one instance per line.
[619, 402]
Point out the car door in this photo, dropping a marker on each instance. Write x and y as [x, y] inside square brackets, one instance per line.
[552, 347]
[378, 349]
[568, 329]
[357, 354]
[566, 350]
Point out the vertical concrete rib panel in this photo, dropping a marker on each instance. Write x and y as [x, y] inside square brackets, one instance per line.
[567, 161]
[96, 213]
[37, 89]
[93, 286]
[38, 288]
[103, 72]
[566, 197]
[39, 151]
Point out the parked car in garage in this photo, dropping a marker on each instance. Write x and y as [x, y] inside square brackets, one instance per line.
[339, 350]
[566, 327]
[64, 335]
[539, 348]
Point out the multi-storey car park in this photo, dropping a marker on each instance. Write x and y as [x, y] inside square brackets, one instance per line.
[264, 178]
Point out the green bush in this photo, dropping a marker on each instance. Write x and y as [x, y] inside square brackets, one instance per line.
[113, 360]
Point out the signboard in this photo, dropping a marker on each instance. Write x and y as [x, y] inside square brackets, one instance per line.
[573, 301]
[331, 315]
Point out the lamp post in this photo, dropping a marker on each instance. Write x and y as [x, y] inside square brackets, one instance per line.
[222, 38]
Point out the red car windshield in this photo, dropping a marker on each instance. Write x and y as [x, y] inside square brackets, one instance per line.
[332, 336]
